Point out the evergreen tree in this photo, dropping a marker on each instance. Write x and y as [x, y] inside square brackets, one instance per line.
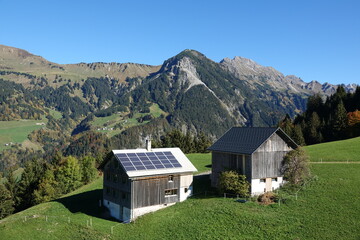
[6, 202]
[47, 188]
[340, 121]
[286, 125]
[313, 129]
[30, 179]
[298, 136]
[202, 143]
[12, 186]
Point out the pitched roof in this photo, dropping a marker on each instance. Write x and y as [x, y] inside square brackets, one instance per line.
[245, 140]
[186, 165]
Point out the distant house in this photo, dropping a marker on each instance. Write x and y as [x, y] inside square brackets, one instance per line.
[138, 181]
[256, 153]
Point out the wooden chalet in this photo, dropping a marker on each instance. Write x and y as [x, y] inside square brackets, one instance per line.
[254, 152]
[139, 181]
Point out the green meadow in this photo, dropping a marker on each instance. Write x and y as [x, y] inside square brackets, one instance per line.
[17, 131]
[337, 151]
[327, 208]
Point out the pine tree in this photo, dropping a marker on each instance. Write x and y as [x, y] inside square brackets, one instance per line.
[340, 121]
[12, 186]
[298, 136]
[47, 188]
[6, 202]
[313, 129]
[30, 179]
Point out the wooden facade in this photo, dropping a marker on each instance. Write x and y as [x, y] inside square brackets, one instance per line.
[261, 165]
[221, 161]
[128, 197]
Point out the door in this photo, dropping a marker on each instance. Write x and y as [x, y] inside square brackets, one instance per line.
[268, 185]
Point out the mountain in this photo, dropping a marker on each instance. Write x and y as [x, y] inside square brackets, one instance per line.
[23, 67]
[196, 93]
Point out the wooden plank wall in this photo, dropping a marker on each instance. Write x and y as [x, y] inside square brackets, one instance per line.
[266, 160]
[117, 188]
[151, 191]
[228, 161]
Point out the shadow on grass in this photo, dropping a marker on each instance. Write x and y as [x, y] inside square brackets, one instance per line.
[87, 203]
[202, 187]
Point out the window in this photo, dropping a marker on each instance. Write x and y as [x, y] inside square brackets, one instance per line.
[262, 180]
[274, 179]
[186, 190]
[171, 178]
[170, 192]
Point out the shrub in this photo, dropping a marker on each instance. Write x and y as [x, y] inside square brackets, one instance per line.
[232, 182]
[295, 166]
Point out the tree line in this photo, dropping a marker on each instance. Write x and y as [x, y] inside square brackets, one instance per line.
[43, 181]
[335, 118]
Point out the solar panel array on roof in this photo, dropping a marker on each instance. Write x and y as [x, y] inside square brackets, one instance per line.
[148, 160]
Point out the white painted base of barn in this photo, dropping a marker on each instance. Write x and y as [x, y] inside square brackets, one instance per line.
[185, 192]
[116, 212]
[137, 212]
[260, 186]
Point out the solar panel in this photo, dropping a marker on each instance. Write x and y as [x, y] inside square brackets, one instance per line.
[148, 160]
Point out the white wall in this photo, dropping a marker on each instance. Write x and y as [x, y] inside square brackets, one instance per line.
[137, 212]
[258, 187]
[113, 208]
[185, 183]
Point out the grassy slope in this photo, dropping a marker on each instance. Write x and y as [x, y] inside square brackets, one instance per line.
[338, 151]
[326, 209]
[201, 161]
[17, 131]
[112, 120]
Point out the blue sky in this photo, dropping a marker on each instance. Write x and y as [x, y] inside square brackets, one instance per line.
[314, 40]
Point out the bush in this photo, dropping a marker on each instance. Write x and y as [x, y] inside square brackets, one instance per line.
[295, 166]
[232, 182]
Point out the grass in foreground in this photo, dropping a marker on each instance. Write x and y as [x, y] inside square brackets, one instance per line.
[337, 151]
[327, 209]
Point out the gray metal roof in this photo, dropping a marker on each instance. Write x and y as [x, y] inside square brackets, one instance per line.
[245, 140]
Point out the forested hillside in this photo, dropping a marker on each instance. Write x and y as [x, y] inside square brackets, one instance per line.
[336, 118]
[90, 108]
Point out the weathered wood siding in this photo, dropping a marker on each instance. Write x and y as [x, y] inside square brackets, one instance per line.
[229, 161]
[151, 191]
[117, 186]
[266, 160]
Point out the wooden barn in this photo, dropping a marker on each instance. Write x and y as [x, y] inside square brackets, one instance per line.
[139, 181]
[254, 152]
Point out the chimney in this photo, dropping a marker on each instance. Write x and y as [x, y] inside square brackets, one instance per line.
[148, 144]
